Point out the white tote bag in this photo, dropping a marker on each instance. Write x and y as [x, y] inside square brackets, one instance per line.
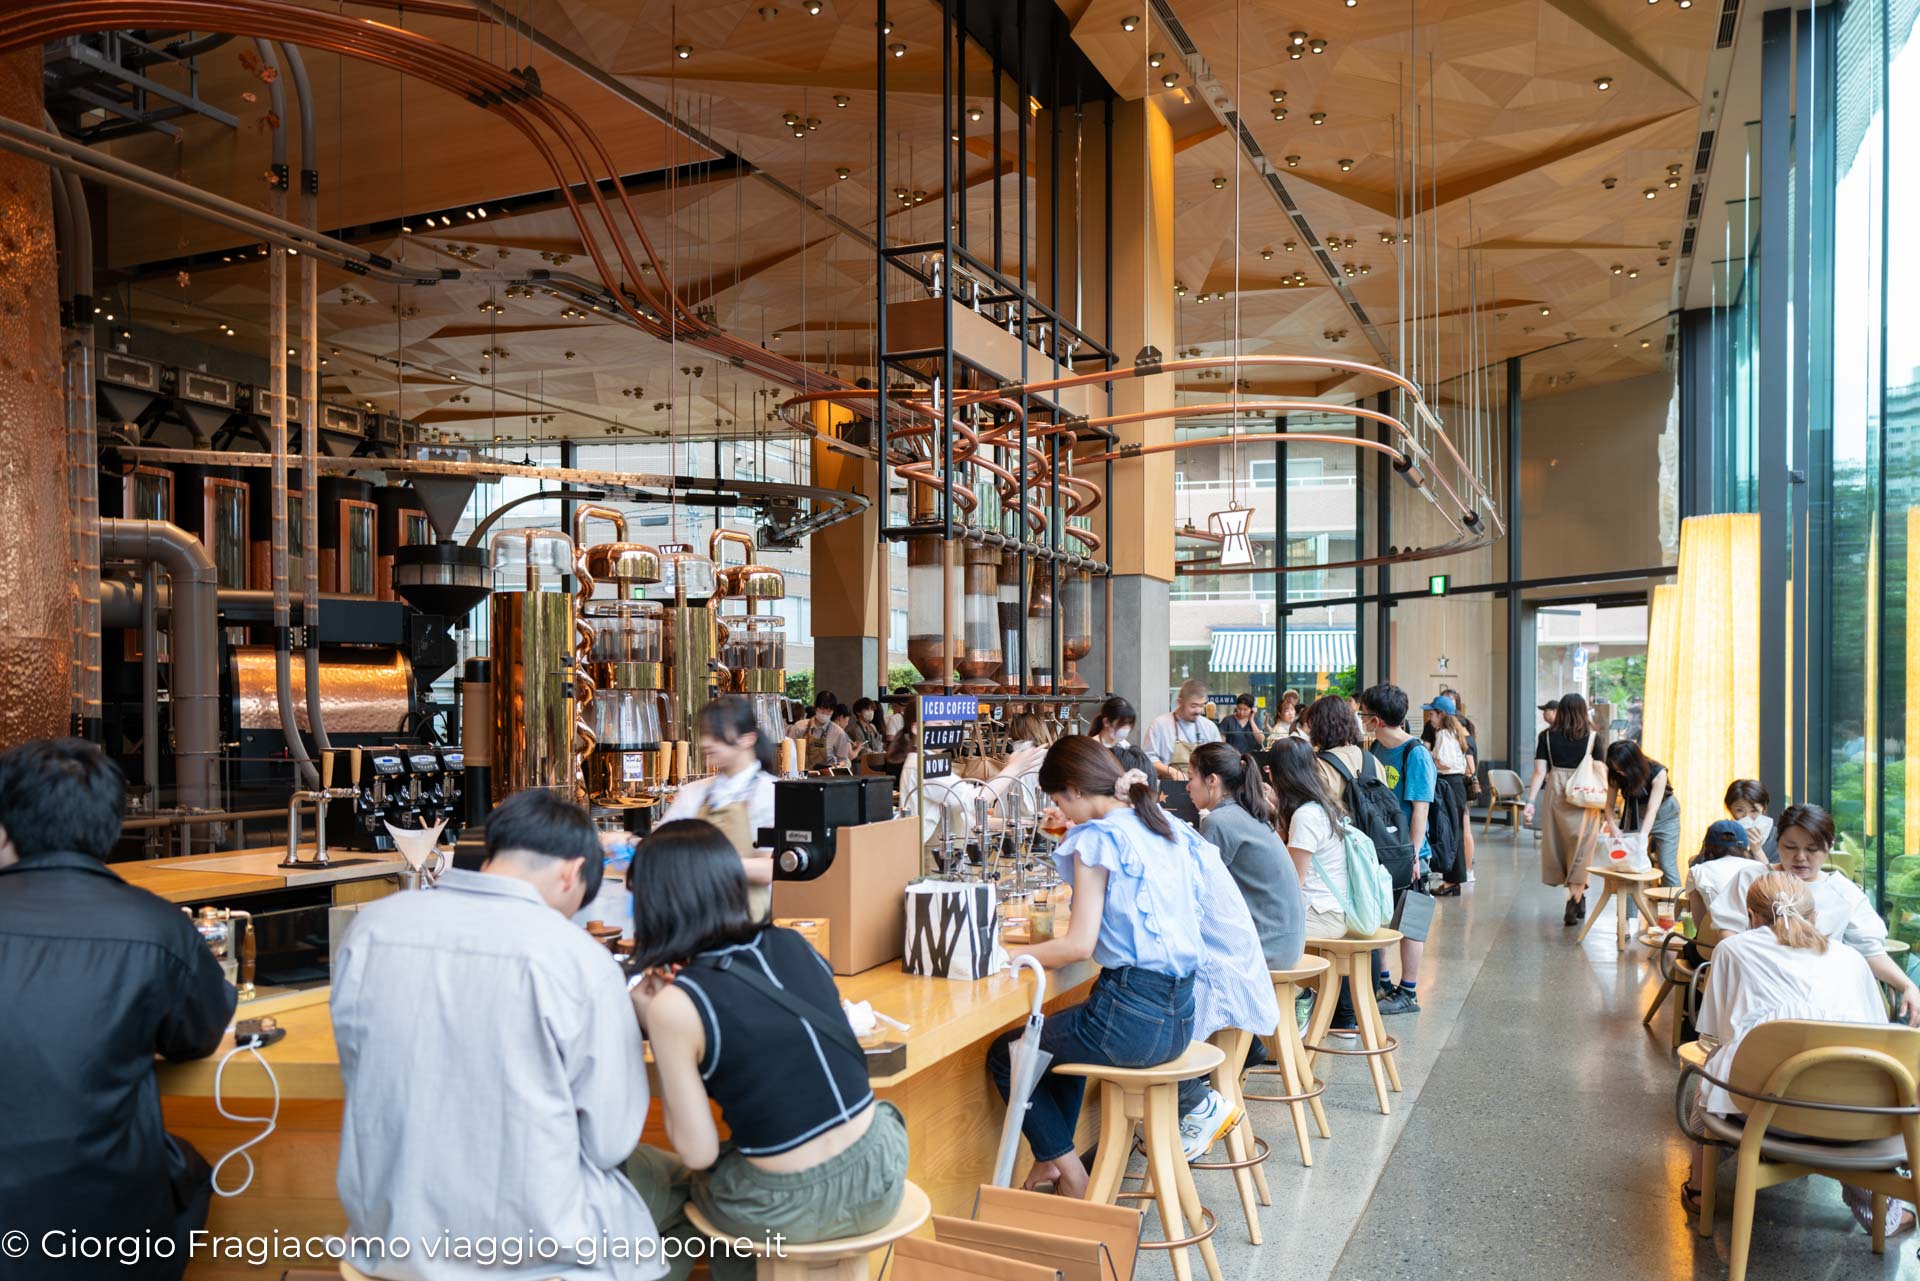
[1588, 786]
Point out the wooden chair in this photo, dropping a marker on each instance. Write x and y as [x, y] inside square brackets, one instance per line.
[844, 1259]
[1622, 887]
[1504, 792]
[1246, 1151]
[1676, 975]
[1149, 1099]
[1865, 1128]
[1352, 959]
[1289, 1054]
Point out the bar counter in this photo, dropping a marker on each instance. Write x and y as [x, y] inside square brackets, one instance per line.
[952, 1110]
[203, 878]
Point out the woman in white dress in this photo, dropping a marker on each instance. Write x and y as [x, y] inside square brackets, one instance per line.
[1841, 911]
[1781, 968]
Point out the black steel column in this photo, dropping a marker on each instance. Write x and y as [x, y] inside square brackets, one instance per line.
[1695, 390]
[1815, 632]
[1776, 349]
[1383, 538]
[568, 456]
[1519, 672]
[1280, 558]
[1804, 119]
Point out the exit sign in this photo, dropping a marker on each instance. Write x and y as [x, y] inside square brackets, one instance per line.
[1437, 584]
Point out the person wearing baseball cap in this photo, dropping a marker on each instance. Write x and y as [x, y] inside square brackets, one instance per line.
[1451, 843]
[1717, 881]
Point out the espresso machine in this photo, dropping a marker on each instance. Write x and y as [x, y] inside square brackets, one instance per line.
[537, 732]
[753, 645]
[621, 647]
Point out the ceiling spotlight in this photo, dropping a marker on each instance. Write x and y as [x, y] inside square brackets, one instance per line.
[1609, 183]
[791, 119]
[1169, 80]
[1386, 237]
[1603, 83]
[1129, 24]
[897, 50]
[1546, 311]
[1617, 268]
[1353, 4]
[1318, 117]
[1266, 255]
[843, 174]
[1673, 182]
[1633, 274]
[683, 51]
[1290, 246]
[1650, 193]
[1365, 269]
[1279, 95]
[1293, 162]
[768, 13]
[1296, 37]
[1219, 183]
[1179, 290]
[1317, 46]
[1279, 113]
[975, 114]
[813, 122]
[841, 100]
[1295, 53]
[1684, 4]
[1645, 343]
[1155, 59]
[813, 7]
[886, 28]
[1346, 166]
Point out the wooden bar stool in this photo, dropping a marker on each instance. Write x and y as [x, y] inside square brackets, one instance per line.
[844, 1259]
[1351, 959]
[1622, 887]
[1289, 1055]
[1149, 1099]
[1246, 1151]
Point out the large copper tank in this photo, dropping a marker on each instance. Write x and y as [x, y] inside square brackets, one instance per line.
[36, 618]
[531, 611]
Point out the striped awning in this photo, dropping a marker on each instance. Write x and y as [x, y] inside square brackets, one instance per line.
[1250, 649]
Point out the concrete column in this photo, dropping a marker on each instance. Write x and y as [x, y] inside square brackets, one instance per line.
[849, 577]
[36, 619]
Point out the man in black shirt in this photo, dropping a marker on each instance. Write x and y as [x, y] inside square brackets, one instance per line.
[101, 977]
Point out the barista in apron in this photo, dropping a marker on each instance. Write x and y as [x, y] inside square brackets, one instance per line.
[737, 797]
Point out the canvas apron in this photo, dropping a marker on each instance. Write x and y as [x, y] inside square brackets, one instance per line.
[736, 824]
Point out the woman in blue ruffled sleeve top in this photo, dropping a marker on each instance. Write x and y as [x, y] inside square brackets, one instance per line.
[1138, 896]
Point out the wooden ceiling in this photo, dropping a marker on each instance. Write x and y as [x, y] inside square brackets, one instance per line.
[1521, 137]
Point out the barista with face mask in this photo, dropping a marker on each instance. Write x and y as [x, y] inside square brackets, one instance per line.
[737, 797]
[1114, 725]
[865, 727]
[823, 743]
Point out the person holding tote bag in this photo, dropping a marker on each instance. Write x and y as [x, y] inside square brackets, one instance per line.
[1567, 761]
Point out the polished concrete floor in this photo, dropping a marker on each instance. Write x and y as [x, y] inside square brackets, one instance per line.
[1535, 1138]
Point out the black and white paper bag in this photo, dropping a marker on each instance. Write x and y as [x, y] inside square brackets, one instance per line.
[953, 930]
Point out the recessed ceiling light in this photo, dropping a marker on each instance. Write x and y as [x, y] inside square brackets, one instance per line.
[1279, 113]
[1219, 183]
[1155, 59]
[1295, 53]
[1266, 255]
[1646, 342]
[1289, 246]
[1169, 80]
[1546, 311]
[1618, 268]
[683, 51]
[1297, 37]
[1130, 23]
[1318, 117]
[843, 174]
[1293, 162]
[1317, 45]
[897, 50]
[841, 100]
[1279, 95]
[1650, 193]
[1346, 166]
[768, 13]
[814, 7]
[1633, 274]
[1603, 83]
[975, 114]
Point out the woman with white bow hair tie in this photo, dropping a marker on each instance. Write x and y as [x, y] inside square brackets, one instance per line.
[1139, 892]
[1783, 967]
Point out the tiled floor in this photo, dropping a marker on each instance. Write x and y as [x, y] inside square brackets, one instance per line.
[1535, 1138]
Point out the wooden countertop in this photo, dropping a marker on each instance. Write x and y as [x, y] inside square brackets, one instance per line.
[946, 1017]
[198, 877]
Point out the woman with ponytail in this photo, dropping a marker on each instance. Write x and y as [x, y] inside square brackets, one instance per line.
[1153, 904]
[1227, 785]
[1783, 967]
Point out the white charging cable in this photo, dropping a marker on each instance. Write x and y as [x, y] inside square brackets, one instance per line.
[251, 1046]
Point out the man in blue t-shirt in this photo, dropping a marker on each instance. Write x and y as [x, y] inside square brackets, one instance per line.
[1410, 771]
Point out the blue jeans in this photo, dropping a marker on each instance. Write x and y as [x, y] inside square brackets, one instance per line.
[1132, 1018]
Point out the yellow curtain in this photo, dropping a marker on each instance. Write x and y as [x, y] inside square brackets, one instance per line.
[1703, 705]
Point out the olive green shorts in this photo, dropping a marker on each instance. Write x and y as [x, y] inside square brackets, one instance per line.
[850, 1194]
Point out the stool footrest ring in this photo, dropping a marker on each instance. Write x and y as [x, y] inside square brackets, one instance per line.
[1393, 1043]
[1260, 1154]
[1206, 1217]
[1319, 1088]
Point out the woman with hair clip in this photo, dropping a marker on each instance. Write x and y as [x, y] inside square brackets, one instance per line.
[1113, 727]
[747, 1016]
[737, 797]
[1841, 911]
[1780, 968]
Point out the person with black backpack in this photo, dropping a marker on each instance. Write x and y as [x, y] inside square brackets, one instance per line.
[1412, 775]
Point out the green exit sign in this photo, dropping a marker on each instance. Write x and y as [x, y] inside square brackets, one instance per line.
[1437, 584]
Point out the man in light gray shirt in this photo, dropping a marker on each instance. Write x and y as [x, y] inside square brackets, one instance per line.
[1172, 737]
[494, 1073]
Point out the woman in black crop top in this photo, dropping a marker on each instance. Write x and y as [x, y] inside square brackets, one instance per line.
[748, 1017]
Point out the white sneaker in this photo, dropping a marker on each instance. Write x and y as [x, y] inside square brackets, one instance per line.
[1471, 878]
[1203, 1127]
